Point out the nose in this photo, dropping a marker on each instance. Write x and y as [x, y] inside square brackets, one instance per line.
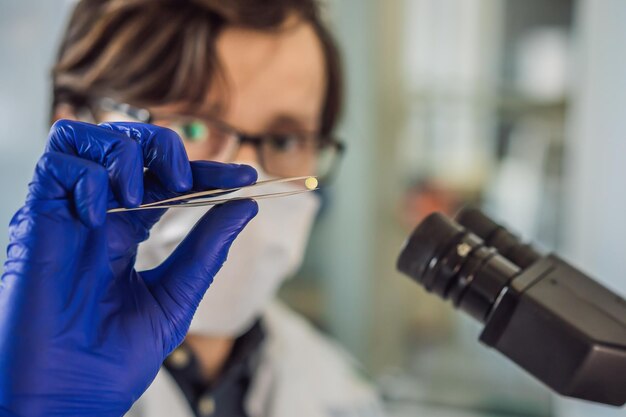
[247, 154]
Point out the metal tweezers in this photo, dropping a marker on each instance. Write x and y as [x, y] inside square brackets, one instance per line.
[212, 197]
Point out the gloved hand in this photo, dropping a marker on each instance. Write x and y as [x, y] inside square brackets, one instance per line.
[81, 332]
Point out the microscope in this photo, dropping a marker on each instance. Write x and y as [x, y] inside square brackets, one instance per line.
[549, 318]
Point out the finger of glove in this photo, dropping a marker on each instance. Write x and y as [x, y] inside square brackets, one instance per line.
[121, 156]
[128, 229]
[207, 175]
[6, 413]
[181, 281]
[163, 152]
[59, 176]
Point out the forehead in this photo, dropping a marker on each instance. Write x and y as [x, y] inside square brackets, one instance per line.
[271, 75]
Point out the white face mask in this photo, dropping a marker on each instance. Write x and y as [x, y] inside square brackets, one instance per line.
[268, 251]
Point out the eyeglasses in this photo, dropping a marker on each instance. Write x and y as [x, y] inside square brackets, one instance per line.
[279, 154]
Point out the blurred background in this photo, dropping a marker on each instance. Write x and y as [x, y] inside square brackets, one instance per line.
[518, 107]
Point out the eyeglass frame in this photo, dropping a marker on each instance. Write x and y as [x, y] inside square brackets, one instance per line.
[144, 115]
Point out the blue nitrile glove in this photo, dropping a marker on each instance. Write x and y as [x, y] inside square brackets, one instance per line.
[81, 332]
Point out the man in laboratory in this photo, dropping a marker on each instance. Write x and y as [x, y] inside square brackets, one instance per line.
[243, 83]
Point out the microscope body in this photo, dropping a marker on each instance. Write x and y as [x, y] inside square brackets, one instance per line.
[565, 329]
[552, 320]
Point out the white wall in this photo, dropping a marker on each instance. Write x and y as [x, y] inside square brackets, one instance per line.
[29, 31]
[596, 161]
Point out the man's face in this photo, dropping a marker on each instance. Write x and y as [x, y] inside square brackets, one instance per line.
[274, 82]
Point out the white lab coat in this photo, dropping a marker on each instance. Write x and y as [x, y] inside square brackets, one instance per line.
[301, 373]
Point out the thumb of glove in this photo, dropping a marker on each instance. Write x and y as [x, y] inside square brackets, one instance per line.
[179, 283]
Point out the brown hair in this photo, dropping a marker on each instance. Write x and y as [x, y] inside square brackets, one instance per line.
[150, 52]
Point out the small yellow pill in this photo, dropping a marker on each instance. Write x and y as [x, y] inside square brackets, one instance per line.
[311, 183]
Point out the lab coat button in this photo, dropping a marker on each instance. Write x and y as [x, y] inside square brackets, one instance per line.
[179, 358]
[206, 406]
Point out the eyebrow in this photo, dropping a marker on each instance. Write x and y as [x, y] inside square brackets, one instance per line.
[280, 121]
[292, 121]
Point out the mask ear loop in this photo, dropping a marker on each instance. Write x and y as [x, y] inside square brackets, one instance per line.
[191, 200]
